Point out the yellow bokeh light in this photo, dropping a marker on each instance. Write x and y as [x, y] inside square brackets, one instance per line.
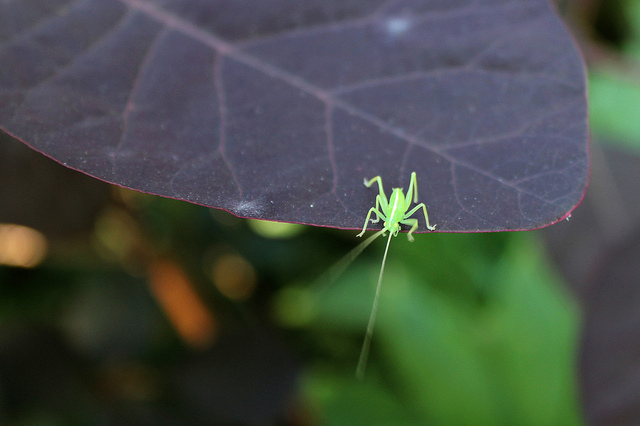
[21, 246]
[275, 230]
[234, 276]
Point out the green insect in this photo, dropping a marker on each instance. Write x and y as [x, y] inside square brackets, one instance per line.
[394, 212]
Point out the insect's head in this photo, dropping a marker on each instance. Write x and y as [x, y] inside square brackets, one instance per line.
[394, 229]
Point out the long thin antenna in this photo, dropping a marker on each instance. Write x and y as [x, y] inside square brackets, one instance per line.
[339, 267]
[366, 345]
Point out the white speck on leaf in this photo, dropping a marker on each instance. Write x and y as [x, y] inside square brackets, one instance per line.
[397, 26]
[248, 208]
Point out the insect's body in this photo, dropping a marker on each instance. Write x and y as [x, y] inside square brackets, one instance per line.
[393, 212]
[396, 201]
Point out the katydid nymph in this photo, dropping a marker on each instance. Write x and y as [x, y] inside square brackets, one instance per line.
[394, 212]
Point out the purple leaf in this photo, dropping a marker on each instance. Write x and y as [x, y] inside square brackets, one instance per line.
[279, 109]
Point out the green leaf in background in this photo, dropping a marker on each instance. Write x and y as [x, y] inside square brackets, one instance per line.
[614, 94]
[631, 13]
[498, 341]
[614, 107]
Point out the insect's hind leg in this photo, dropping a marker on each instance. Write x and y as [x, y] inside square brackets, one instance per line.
[369, 182]
[412, 191]
[381, 198]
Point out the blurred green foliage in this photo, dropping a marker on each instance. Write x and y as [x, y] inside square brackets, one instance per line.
[614, 84]
[473, 321]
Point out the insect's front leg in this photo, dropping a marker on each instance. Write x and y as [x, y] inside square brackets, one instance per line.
[366, 221]
[426, 216]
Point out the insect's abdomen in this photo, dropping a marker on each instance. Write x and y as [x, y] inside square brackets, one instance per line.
[396, 203]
